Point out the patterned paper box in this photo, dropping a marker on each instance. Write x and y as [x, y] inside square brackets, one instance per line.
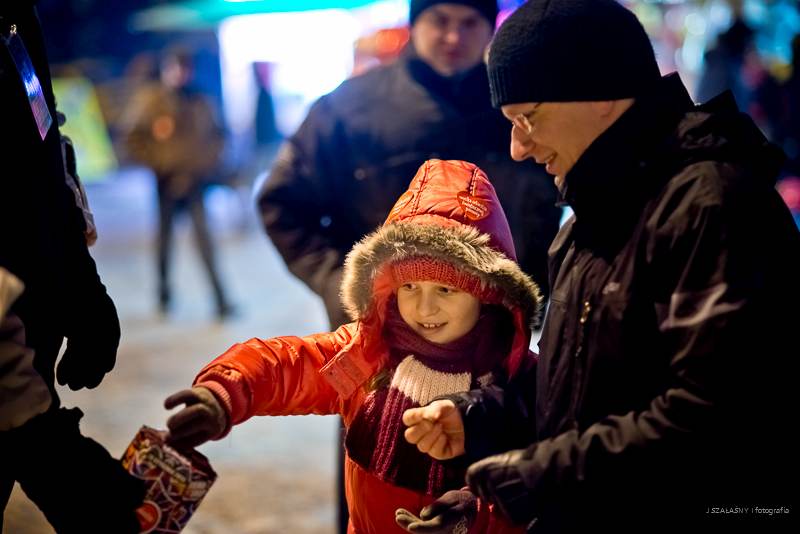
[175, 483]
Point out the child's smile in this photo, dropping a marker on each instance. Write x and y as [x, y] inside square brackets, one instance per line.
[437, 312]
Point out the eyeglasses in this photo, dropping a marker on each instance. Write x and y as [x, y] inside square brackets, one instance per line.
[524, 121]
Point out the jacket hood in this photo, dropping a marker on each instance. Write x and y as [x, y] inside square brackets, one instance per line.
[467, 90]
[450, 213]
[662, 133]
[718, 131]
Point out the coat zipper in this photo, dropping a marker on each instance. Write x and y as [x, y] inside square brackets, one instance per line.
[577, 364]
[584, 319]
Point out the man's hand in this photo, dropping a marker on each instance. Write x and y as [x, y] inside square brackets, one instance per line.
[498, 480]
[91, 350]
[203, 418]
[453, 512]
[436, 429]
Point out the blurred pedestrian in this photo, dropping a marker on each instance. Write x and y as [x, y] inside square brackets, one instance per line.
[667, 359]
[172, 128]
[438, 305]
[47, 227]
[725, 62]
[117, 93]
[787, 124]
[786, 132]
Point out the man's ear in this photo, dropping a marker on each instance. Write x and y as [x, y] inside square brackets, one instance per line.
[611, 109]
[603, 108]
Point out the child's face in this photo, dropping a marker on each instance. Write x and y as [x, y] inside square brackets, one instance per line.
[437, 312]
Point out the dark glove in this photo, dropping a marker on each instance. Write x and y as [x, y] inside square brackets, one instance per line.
[454, 512]
[498, 480]
[203, 418]
[92, 349]
[66, 474]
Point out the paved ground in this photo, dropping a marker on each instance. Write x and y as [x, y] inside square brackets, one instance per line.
[275, 474]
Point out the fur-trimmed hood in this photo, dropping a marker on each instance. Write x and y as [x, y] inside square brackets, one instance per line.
[449, 213]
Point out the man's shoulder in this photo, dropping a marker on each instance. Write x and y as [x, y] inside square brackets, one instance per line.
[365, 89]
[704, 191]
[712, 182]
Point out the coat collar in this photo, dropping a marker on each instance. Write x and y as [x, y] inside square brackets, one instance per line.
[466, 91]
[612, 180]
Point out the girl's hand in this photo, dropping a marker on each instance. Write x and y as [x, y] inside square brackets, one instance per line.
[436, 429]
[201, 419]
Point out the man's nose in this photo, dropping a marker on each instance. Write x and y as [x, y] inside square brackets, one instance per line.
[452, 35]
[521, 144]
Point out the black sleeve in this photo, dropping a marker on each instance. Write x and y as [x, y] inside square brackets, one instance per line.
[499, 417]
[43, 241]
[297, 201]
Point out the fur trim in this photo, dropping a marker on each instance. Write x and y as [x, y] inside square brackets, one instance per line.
[465, 247]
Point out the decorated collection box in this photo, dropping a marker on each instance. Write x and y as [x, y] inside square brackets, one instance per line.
[176, 482]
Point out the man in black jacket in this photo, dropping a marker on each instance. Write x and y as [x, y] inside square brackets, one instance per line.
[338, 176]
[76, 483]
[664, 389]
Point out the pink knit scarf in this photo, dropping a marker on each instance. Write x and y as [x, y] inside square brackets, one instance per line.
[420, 370]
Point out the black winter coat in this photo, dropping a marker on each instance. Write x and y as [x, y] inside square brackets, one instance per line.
[337, 178]
[43, 240]
[667, 366]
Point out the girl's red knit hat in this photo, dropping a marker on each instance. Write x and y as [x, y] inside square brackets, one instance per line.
[428, 269]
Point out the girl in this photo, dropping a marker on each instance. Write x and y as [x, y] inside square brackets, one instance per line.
[439, 306]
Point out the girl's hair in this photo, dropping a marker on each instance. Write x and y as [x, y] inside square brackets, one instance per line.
[379, 380]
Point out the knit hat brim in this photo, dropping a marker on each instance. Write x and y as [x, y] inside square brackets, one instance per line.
[487, 8]
[464, 248]
[424, 268]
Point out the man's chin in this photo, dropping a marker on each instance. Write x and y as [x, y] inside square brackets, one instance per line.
[449, 69]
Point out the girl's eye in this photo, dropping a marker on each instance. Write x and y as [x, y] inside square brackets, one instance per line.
[447, 290]
[408, 287]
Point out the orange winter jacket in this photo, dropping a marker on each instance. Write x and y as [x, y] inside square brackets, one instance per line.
[451, 213]
[320, 374]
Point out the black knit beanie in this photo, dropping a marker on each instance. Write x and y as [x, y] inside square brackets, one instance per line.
[570, 51]
[487, 8]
